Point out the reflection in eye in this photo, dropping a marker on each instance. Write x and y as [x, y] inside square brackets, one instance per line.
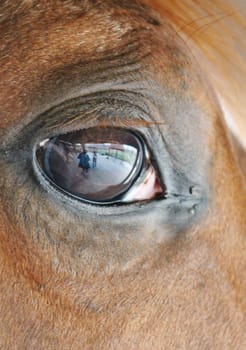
[100, 166]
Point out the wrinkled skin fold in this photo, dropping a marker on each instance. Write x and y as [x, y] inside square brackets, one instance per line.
[163, 274]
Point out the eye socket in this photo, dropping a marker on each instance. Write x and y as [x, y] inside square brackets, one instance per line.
[99, 165]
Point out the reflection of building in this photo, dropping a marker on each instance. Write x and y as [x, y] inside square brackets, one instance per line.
[101, 148]
[116, 150]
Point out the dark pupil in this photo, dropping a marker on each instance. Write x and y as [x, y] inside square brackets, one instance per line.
[96, 164]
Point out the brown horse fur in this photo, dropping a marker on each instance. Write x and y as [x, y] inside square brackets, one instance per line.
[157, 275]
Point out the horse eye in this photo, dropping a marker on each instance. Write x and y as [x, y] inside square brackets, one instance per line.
[100, 166]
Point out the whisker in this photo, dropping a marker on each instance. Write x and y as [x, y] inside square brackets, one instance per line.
[194, 21]
[206, 25]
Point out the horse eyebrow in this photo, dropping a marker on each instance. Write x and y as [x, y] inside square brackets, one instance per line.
[10, 9]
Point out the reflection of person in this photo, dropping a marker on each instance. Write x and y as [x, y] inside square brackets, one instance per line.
[94, 159]
[84, 161]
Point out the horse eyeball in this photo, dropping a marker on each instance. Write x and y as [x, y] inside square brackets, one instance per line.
[100, 166]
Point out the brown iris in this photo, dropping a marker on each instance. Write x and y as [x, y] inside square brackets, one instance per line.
[99, 165]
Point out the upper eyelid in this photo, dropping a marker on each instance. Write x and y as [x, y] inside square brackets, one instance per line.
[97, 104]
[83, 113]
[126, 91]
